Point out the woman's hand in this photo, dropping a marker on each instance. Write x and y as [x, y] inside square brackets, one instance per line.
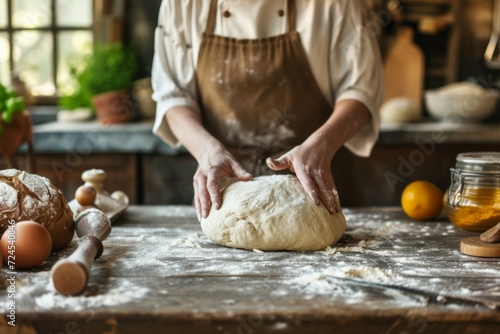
[311, 164]
[311, 160]
[214, 165]
[214, 161]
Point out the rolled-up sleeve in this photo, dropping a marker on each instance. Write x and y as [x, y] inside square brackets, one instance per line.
[357, 69]
[173, 72]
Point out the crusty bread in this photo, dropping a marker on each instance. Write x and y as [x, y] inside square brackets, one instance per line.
[26, 196]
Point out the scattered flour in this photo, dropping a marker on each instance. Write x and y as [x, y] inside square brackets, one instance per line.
[330, 283]
[330, 251]
[320, 284]
[125, 293]
[357, 248]
[184, 243]
[365, 273]
[363, 246]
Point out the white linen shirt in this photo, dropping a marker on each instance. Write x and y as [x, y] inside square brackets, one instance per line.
[339, 43]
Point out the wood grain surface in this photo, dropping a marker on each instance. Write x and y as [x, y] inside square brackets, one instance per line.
[160, 274]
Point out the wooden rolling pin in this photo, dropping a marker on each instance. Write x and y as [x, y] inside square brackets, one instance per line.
[70, 276]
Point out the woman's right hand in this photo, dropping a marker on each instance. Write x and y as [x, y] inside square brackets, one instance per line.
[214, 162]
[213, 165]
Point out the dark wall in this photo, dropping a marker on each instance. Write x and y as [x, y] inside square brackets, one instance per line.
[140, 22]
[477, 25]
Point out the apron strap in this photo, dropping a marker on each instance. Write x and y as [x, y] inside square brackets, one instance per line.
[292, 15]
[210, 28]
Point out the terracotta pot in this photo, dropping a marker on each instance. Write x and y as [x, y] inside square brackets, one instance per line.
[114, 107]
[16, 133]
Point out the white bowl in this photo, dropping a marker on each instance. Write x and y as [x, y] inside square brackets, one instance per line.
[461, 102]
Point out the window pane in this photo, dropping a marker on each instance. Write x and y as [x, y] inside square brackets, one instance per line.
[31, 14]
[74, 13]
[3, 13]
[4, 59]
[71, 44]
[33, 60]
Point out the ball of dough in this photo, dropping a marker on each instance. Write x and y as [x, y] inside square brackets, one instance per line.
[272, 213]
[27, 196]
[400, 110]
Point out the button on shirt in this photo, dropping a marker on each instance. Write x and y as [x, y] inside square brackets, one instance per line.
[338, 37]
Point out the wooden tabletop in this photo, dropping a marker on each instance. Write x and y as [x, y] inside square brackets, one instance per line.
[160, 274]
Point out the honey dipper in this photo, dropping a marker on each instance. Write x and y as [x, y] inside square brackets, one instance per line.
[70, 276]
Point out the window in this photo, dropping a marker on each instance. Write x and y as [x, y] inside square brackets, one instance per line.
[37, 39]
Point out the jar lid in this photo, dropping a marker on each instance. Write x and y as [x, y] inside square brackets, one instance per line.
[485, 162]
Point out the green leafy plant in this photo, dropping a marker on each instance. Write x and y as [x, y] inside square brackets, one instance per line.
[108, 68]
[10, 104]
[78, 100]
[81, 98]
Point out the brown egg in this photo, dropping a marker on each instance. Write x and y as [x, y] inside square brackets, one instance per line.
[26, 245]
[85, 195]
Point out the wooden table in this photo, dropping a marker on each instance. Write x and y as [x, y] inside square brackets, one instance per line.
[160, 274]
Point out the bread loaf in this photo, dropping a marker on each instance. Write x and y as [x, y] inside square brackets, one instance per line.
[26, 196]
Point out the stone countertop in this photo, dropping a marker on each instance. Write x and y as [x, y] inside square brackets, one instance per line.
[58, 137]
[137, 137]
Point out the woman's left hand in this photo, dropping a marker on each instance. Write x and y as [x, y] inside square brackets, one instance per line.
[312, 165]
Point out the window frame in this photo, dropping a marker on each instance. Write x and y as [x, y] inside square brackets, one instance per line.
[54, 30]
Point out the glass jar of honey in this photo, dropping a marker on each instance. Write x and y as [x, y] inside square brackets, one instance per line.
[472, 202]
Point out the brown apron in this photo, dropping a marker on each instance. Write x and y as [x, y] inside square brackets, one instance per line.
[258, 97]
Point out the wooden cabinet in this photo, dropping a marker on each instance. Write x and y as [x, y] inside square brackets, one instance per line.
[167, 179]
[155, 179]
[65, 170]
[381, 178]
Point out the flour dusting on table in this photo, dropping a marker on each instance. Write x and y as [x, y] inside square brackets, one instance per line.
[117, 293]
[374, 260]
[125, 292]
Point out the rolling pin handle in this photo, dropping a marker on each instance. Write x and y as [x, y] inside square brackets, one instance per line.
[70, 276]
[89, 249]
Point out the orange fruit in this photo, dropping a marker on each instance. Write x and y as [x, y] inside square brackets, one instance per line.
[422, 200]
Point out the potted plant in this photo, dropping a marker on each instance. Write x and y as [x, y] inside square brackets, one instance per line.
[107, 75]
[76, 106]
[15, 123]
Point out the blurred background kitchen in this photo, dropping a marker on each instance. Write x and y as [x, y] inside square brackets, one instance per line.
[442, 81]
